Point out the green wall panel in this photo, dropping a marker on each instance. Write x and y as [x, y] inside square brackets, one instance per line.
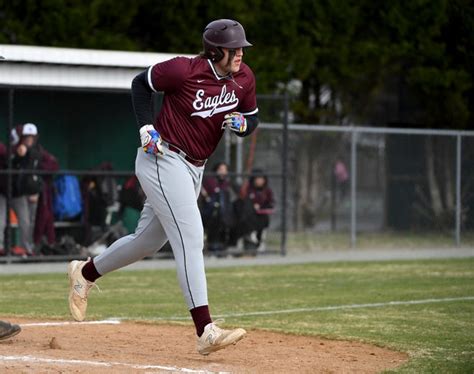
[81, 129]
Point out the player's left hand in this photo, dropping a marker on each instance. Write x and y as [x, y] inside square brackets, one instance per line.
[235, 121]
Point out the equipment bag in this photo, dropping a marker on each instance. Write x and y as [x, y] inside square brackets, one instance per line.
[67, 203]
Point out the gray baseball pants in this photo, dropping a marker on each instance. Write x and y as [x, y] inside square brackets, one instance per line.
[171, 212]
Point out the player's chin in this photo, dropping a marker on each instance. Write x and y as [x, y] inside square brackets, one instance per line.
[235, 68]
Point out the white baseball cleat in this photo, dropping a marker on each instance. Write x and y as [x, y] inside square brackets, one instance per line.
[214, 338]
[79, 288]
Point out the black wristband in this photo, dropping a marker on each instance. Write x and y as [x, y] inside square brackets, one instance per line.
[252, 123]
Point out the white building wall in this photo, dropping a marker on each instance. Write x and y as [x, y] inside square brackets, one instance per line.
[66, 76]
[75, 68]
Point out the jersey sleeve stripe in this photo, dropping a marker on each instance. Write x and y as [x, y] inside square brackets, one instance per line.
[149, 78]
[250, 113]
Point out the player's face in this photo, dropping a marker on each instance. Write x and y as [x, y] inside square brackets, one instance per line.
[231, 61]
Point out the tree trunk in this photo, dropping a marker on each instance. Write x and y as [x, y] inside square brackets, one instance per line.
[449, 178]
[436, 203]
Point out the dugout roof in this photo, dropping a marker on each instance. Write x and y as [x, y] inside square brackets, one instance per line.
[32, 66]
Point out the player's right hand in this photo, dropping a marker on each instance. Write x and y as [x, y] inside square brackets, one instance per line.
[151, 140]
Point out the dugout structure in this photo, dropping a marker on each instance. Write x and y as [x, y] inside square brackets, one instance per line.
[80, 101]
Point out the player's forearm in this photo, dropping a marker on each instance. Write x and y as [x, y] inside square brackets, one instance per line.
[142, 100]
[252, 123]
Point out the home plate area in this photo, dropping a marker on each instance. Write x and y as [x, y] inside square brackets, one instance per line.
[142, 347]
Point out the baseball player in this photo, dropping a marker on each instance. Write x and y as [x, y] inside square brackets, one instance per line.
[7, 330]
[203, 96]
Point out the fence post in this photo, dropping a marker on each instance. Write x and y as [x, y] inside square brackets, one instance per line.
[458, 190]
[8, 228]
[284, 172]
[238, 157]
[353, 187]
[227, 149]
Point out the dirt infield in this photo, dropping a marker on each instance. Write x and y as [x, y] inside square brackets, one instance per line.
[149, 348]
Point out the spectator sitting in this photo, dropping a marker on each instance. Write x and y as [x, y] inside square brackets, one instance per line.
[131, 198]
[100, 194]
[260, 195]
[217, 210]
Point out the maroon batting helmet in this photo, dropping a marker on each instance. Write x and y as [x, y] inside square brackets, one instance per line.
[222, 33]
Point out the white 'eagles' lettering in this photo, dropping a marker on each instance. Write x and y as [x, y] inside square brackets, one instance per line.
[214, 104]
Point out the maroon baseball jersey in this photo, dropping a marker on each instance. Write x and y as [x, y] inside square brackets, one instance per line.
[196, 100]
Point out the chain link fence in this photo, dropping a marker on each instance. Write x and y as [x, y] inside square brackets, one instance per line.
[335, 187]
[412, 187]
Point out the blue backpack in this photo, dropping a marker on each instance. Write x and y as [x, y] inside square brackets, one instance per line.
[67, 202]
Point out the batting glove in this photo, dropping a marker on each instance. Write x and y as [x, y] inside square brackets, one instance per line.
[235, 121]
[151, 140]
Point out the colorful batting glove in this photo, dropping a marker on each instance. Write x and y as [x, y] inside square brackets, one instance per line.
[151, 140]
[236, 122]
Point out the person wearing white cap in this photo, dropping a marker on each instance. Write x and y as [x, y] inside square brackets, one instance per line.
[26, 187]
[14, 139]
[29, 129]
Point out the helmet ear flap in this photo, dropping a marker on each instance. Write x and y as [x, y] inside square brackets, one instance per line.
[217, 54]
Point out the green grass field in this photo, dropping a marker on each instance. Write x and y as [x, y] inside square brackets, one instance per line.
[308, 241]
[439, 337]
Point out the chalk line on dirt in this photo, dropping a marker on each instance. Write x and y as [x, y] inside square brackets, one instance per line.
[42, 360]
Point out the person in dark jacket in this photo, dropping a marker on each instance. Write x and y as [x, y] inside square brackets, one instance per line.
[216, 208]
[14, 140]
[259, 197]
[26, 186]
[131, 199]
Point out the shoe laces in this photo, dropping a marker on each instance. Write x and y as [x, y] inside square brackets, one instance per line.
[92, 284]
[87, 289]
[216, 323]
